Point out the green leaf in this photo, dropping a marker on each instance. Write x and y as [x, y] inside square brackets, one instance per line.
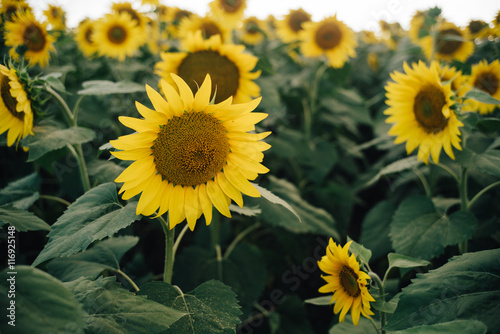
[396, 167]
[375, 229]
[275, 199]
[347, 327]
[360, 252]
[210, 308]
[22, 220]
[383, 306]
[49, 138]
[481, 96]
[105, 87]
[22, 193]
[417, 230]
[403, 261]
[42, 303]
[104, 170]
[93, 216]
[246, 211]
[455, 326]
[114, 310]
[487, 162]
[53, 80]
[323, 300]
[464, 288]
[105, 255]
[488, 124]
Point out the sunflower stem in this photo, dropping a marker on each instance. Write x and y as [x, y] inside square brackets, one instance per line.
[238, 238]
[374, 325]
[169, 250]
[55, 198]
[464, 203]
[381, 287]
[67, 112]
[128, 279]
[77, 152]
[179, 238]
[479, 194]
[310, 109]
[425, 184]
[216, 243]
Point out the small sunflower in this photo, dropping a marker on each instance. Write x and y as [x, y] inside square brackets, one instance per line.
[347, 282]
[117, 36]
[208, 25]
[83, 37]
[485, 77]
[138, 18]
[253, 31]
[190, 155]
[496, 25]
[230, 11]
[456, 79]
[367, 37]
[228, 65]
[174, 17]
[392, 33]
[416, 27]
[450, 43]
[56, 17]
[10, 8]
[25, 31]
[329, 37]
[16, 116]
[478, 29]
[419, 109]
[288, 29]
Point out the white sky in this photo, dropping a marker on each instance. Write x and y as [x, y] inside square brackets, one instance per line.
[357, 14]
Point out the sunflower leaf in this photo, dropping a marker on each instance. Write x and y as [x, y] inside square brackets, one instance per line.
[480, 96]
[464, 288]
[105, 87]
[360, 252]
[22, 220]
[455, 326]
[323, 300]
[347, 327]
[403, 261]
[21, 193]
[395, 167]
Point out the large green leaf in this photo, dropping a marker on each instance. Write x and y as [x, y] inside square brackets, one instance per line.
[105, 87]
[42, 303]
[464, 288]
[487, 162]
[375, 229]
[403, 261]
[347, 327]
[481, 96]
[105, 255]
[455, 326]
[104, 170]
[418, 230]
[22, 220]
[21, 193]
[93, 216]
[114, 310]
[210, 308]
[395, 167]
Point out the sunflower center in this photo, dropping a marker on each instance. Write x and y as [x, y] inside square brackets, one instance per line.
[252, 28]
[34, 38]
[328, 36]
[231, 6]
[179, 15]
[116, 34]
[224, 73]
[487, 82]
[88, 35]
[428, 109]
[296, 19]
[8, 100]
[209, 29]
[55, 13]
[476, 26]
[191, 149]
[349, 281]
[445, 44]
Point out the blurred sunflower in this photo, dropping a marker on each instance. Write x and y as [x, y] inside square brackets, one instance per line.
[174, 17]
[190, 154]
[15, 107]
[329, 37]
[10, 8]
[496, 25]
[288, 29]
[56, 17]
[83, 37]
[253, 31]
[230, 11]
[367, 37]
[117, 36]
[151, 2]
[208, 25]
[24, 30]
[419, 109]
[138, 18]
[485, 77]
[228, 65]
[346, 281]
[478, 29]
[456, 79]
[451, 43]
[416, 27]
[392, 33]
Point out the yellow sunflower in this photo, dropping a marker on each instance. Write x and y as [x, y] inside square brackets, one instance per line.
[10, 8]
[253, 31]
[25, 30]
[190, 154]
[456, 79]
[496, 25]
[419, 109]
[450, 43]
[288, 29]
[117, 36]
[329, 37]
[478, 29]
[416, 25]
[174, 17]
[346, 281]
[228, 65]
[392, 33]
[138, 18]
[230, 11]
[56, 17]
[16, 115]
[485, 77]
[208, 25]
[83, 37]
[367, 37]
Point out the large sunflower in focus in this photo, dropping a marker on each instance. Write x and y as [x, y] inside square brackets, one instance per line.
[228, 65]
[208, 25]
[24, 30]
[485, 77]
[347, 282]
[16, 115]
[56, 17]
[329, 37]
[189, 154]
[450, 43]
[230, 11]
[83, 37]
[419, 109]
[288, 29]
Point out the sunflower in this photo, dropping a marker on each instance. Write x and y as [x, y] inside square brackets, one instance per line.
[208, 25]
[416, 27]
[456, 79]
[367, 37]
[117, 36]
[346, 281]
[138, 18]
[419, 109]
[253, 31]
[288, 29]
[485, 77]
[450, 43]
[173, 18]
[230, 11]
[83, 37]
[15, 107]
[56, 17]
[190, 154]
[496, 25]
[478, 29]
[392, 33]
[329, 37]
[24, 30]
[228, 65]
[10, 8]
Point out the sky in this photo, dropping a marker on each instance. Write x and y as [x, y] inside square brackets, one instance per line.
[357, 14]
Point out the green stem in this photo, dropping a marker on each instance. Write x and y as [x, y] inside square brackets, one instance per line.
[310, 109]
[216, 243]
[422, 178]
[76, 109]
[179, 238]
[479, 194]
[77, 152]
[55, 198]
[169, 250]
[449, 170]
[238, 238]
[464, 204]
[374, 325]
[128, 279]
[64, 105]
[380, 285]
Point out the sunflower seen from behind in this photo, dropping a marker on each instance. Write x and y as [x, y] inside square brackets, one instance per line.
[189, 155]
[420, 112]
[346, 281]
[485, 77]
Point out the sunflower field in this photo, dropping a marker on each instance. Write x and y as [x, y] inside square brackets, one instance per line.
[167, 172]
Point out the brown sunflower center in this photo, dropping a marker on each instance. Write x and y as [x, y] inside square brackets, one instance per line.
[349, 281]
[231, 6]
[446, 44]
[117, 34]
[34, 38]
[476, 26]
[487, 82]
[428, 109]
[191, 149]
[296, 19]
[9, 101]
[224, 73]
[251, 27]
[209, 29]
[88, 35]
[328, 36]
[179, 15]
[56, 13]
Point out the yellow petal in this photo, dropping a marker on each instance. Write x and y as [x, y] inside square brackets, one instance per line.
[173, 98]
[202, 96]
[184, 90]
[205, 203]
[240, 182]
[136, 169]
[158, 101]
[165, 197]
[132, 155]
[149, 200]
[191, 206]
[176, 206]
[218, 198]
[229, 189]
